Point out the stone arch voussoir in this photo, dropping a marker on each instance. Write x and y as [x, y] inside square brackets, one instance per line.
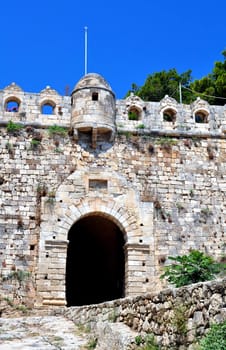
[123, 217]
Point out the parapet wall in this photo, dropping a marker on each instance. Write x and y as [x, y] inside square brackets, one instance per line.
[176, 317]
[27, 107]
[170, 117]
[164, 117]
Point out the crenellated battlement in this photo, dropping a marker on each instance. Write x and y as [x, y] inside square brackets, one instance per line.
[44, 108]
[170, 117]
[131, 114]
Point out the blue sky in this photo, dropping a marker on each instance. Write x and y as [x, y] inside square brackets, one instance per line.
[42, 42]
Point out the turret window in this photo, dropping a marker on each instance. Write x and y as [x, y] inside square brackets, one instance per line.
[95, 96]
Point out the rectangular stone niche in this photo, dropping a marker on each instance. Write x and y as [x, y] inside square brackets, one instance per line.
[96, 184]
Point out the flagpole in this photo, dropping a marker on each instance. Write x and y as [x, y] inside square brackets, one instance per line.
[180, 93]
[86, 28]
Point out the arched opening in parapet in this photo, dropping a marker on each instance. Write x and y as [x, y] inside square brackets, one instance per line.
[134, 113]
[169, 115]
[201, 116]
[12, 105]
[95, 268]
[48, 107]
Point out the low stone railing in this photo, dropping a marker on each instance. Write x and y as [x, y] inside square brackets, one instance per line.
[177, 317]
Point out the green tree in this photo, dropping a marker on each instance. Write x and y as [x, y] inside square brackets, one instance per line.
[192, 268]
[159, 84]
[211, 87]
[214, 84]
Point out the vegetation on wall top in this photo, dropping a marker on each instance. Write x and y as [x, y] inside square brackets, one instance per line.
[13, 128]
[57, 130]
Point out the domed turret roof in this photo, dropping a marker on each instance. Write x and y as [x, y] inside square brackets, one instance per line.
[92, 80]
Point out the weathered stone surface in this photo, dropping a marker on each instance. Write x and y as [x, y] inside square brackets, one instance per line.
[174, 316]
[161, 182]
[46, 332]
[114, 336]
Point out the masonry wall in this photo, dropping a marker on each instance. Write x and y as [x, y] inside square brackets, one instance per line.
[185, 187]
[165, 186]
[177, 318]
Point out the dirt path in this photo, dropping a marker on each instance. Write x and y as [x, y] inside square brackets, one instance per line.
[43, 333]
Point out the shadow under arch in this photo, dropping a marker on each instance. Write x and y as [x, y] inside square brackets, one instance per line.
[95, 267]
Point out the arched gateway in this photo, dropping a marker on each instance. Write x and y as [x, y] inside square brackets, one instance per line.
[94, 244]
[95, 268]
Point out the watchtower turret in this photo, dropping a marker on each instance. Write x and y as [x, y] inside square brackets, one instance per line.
[93, 108]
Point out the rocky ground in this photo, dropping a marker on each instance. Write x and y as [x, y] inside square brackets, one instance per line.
[58, 333]
[42, 332]
[23, 328]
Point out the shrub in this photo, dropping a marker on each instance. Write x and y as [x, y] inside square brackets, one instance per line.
[37, 136]
[13, 127]
[22, 308]
[92, 343]
[148, 342]
[35, 144]
[57, 130]
[112, 317]
[58, 150]
[41, 190]
[140, 126]
[9, 301]
[19, 275]
[138, 340]
[192, 268]
[166, 143]
[179, 321]
[215, 339]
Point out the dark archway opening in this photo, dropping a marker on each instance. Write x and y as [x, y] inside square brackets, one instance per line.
[95, 267]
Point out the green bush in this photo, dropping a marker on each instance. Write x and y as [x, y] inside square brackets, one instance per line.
[179, 321]
[35, 144]
[192, 268]
[22, 308]
[92, 343]
[57, 130]
[138, 340]
[13, 127]
[140, 126]
[19, 275]
[148, 342]
[215, 339]
[166, 143]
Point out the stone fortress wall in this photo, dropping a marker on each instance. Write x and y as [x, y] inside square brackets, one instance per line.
[154, 169]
